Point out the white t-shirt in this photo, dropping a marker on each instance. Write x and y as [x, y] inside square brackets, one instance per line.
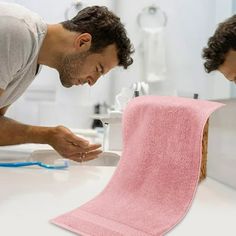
[21, 35]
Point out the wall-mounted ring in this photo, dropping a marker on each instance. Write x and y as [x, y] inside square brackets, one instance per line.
[152, 18]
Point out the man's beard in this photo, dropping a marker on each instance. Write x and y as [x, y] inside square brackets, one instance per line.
[71, 66]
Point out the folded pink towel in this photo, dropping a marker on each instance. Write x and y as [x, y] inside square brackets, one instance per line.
[157, 176]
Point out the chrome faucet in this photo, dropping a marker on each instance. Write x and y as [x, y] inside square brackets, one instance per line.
[140, 88]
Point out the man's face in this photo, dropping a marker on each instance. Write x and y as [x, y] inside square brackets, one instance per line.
[228, 68]
[86, 67]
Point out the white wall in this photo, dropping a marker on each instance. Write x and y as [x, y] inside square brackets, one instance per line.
[190, 23]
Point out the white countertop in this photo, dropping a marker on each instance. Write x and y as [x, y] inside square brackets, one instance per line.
[30, 197]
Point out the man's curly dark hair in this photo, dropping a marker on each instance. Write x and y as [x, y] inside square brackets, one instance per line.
[105, 28]
[223, 40]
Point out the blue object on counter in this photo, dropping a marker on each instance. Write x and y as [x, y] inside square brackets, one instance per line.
[62, 164]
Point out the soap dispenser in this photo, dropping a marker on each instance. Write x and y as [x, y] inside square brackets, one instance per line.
[123, 98]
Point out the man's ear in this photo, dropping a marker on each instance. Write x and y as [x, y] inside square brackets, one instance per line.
[83, 42]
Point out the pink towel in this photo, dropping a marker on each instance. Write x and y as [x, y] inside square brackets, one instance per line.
[157, 176]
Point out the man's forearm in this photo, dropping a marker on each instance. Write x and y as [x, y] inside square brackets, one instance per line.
[60, 138]
[13, 132]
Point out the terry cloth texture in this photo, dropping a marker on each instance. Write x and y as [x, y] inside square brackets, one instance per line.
[157, 176]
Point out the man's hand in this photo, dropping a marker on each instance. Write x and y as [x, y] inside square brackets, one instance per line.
[71, 146]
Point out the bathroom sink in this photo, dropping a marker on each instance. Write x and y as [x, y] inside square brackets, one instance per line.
[47, 155]
[107, 158]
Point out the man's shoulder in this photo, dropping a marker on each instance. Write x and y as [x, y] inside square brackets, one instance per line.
[15, 10]
[13, 26]
[16, 38]
[15, 18]
[21, 37]
[22, 32]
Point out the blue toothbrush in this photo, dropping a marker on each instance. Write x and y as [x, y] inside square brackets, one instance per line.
[61, 164]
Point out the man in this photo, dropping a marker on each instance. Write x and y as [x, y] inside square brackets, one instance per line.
[221, 51]
[81, 50]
